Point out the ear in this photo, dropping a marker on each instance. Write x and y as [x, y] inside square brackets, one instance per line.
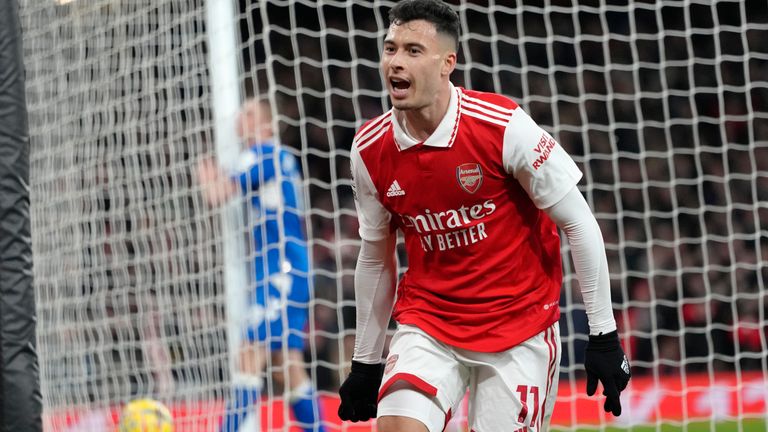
[449, 63]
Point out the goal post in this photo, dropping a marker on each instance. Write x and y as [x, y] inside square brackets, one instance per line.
[20, 399]
[663, 105]
[226, 101]
[130, 264]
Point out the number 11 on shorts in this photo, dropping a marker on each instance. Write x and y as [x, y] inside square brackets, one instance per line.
[523, 390]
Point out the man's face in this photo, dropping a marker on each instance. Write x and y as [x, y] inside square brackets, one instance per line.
[414, 63]
[254, 123]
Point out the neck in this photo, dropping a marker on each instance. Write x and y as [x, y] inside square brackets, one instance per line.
[422, 122]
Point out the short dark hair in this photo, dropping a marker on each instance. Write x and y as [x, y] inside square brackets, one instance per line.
[437, 12]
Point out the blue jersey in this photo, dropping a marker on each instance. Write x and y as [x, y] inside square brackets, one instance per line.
[278, 312]
[270, 178]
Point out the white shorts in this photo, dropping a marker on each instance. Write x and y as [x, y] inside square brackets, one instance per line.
[508, 391]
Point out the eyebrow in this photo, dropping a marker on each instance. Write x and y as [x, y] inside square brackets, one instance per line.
[407, 44]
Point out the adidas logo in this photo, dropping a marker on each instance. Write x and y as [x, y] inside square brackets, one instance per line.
[625, 365]
[395, 190]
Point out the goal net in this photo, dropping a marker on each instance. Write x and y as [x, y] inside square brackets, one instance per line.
[663, 105]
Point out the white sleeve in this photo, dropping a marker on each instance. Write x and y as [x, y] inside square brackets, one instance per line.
[372, 216]
[375, 278]
[573, 215]
[543, 168]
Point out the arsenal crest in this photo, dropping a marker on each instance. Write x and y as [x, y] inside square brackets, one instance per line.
[469, 176]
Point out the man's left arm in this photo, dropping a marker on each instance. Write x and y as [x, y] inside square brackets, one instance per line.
[605, 359]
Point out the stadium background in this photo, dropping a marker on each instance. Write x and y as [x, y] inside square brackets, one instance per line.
[664, 106]
[669, 156]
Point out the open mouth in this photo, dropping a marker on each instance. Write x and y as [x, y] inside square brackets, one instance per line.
[399, 86]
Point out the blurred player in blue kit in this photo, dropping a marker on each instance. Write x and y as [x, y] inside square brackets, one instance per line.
[269, 178]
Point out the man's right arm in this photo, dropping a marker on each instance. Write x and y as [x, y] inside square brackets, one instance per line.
[375, 278]
[216, 187]
[376, 270]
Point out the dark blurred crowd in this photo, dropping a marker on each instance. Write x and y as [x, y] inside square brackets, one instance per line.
[664, 106]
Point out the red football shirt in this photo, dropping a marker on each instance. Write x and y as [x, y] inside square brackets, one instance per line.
[484, 263]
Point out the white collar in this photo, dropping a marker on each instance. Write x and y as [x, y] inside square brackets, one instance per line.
[443, 136]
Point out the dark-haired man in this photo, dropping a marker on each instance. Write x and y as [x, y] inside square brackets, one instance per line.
[478, 190]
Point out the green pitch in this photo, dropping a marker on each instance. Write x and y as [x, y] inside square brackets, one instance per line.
[732, 426]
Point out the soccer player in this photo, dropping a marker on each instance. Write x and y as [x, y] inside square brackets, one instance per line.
[479, 190]
[269, 177]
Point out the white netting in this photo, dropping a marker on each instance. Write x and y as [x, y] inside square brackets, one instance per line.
[662, 104]
[127, 273]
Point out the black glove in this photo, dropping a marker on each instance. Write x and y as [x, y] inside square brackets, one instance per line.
[360, 391]
[606, 361]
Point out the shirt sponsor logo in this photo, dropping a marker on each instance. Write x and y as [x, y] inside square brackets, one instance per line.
[470, 176]
[395, 190]
[449, 219]
[544, 149]
[452, 228]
